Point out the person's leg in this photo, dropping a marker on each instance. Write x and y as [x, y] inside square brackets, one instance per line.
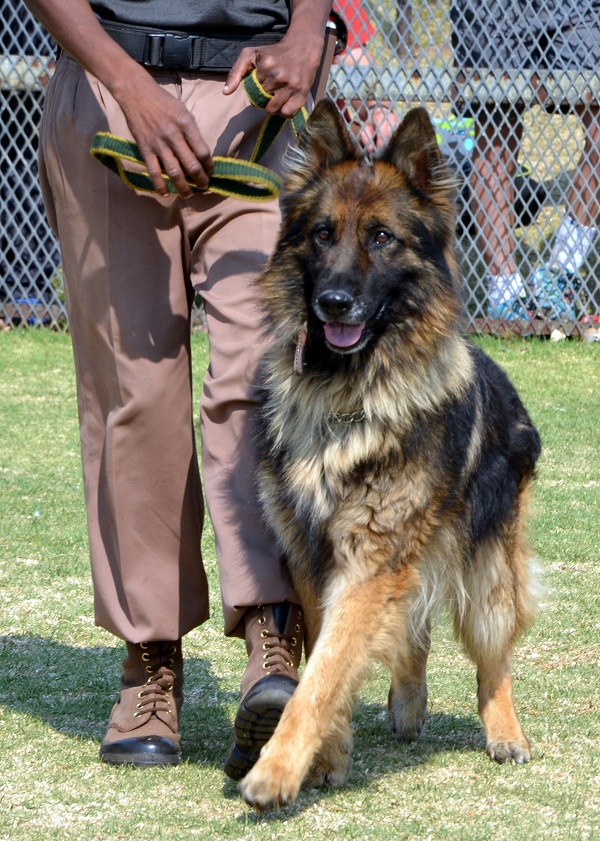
[252, 570]
[129, 302]
[231, 242]
[577, 48]
[372, 121]
[558, 290]
[582, 214]
[233, 252]
[556, 286]
[492, 198]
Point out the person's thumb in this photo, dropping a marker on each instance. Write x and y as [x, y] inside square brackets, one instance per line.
[244, 65]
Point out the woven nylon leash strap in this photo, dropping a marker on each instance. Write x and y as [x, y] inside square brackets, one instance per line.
[230, 176]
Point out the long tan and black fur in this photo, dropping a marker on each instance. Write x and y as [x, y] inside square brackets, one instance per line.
[396, 457]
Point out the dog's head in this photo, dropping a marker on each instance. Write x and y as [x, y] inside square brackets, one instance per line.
[366, 246]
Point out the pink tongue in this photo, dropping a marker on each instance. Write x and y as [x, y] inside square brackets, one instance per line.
[343, 335]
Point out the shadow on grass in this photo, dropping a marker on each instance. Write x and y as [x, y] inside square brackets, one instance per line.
[377, 753]
[73, 689]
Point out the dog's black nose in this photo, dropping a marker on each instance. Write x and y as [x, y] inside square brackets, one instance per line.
[334, 302]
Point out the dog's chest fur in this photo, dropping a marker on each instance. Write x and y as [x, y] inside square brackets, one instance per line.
[324, 481]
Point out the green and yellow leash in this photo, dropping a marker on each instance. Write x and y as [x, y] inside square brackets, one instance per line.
[230, 177]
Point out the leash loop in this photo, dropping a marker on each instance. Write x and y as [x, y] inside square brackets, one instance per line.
[231, 177]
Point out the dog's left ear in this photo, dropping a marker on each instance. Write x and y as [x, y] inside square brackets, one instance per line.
[325, 138]
[323, 143]
[414, 150]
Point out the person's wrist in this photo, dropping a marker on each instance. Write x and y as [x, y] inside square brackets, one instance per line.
[126, 79]
[306, 36]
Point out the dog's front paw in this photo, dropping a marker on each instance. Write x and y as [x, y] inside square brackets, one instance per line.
[270, 785]
[514, 750]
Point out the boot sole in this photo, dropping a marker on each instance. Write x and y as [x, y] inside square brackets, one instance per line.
[257, 717]
[139, 761]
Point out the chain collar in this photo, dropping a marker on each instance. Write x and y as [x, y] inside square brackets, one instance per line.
[347, 418]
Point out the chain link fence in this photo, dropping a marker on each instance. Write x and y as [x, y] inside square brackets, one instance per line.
[30, 281]
[514, 89]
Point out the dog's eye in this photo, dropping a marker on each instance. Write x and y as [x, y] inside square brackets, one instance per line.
[381, 237]
[323, 234]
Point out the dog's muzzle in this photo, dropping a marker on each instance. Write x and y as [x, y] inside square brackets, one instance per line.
[343, 328]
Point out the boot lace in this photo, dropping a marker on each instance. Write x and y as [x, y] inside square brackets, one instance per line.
[156, 694]
[281, 651]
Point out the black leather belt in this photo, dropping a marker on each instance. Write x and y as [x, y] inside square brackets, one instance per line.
[180, 50]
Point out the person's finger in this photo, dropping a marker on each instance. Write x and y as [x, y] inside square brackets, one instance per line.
[196, 172]
[154, 169]
[243, 66]
[173, 168]
[181, 164]
[196, 160]
[285, 102]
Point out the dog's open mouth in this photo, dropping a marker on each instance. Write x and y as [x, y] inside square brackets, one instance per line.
[343, 336]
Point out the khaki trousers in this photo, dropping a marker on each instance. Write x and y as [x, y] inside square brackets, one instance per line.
[131, 264]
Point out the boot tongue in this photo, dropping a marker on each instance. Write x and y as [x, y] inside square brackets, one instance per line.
[280, 615]
[343, 335]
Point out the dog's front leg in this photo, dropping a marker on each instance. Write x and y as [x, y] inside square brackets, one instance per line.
[346, 645]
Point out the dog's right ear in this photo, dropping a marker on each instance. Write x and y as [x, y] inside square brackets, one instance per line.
[323, 143]
[414, 150]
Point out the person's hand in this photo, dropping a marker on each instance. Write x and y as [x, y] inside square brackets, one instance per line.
[286, 70]
[167, 135]
[164, 130]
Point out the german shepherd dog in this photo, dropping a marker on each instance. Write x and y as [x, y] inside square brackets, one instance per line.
[396, 457]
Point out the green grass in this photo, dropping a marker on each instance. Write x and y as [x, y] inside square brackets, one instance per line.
[60, 672]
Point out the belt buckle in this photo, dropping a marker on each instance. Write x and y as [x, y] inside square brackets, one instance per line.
[163, 49]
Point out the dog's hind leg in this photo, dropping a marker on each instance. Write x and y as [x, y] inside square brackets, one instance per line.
[506, 740]
[499, 606]
[353, 633]
[407, 699]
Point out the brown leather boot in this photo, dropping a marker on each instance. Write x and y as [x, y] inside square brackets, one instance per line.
[143, 727]
[274, 635]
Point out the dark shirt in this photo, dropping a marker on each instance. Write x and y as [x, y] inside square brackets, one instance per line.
[533, 34]
[198, 16]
